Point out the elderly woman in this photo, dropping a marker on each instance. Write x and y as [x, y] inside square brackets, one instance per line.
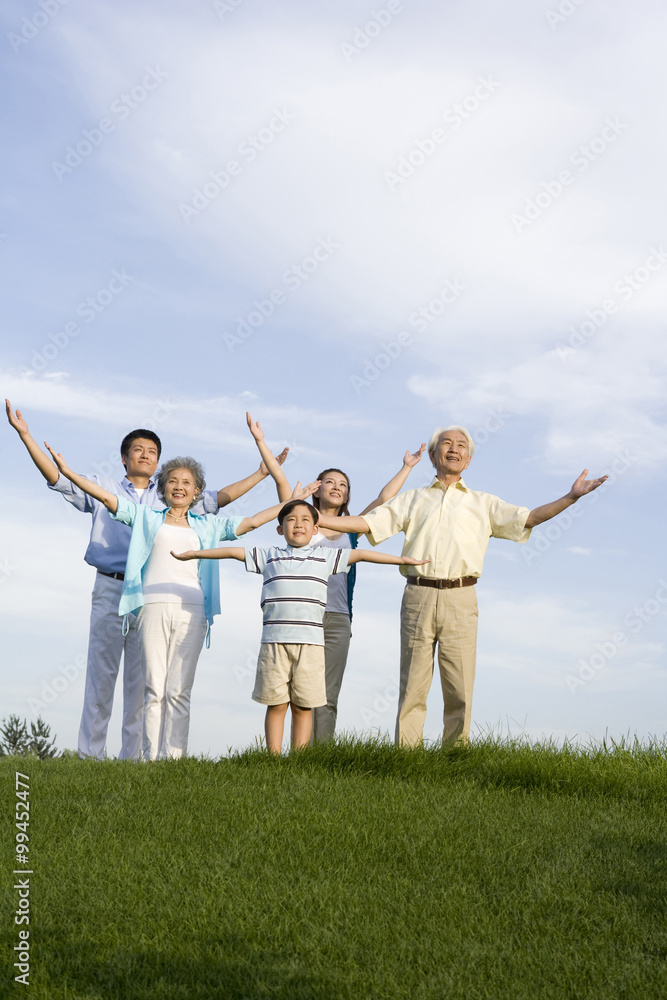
[175, 601]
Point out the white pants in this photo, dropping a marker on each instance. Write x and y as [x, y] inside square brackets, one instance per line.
[171, 637]
[106, 645]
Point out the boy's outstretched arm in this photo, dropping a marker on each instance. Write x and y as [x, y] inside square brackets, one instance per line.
[235, 490]
[230, 553]
[272, 464]
[410, 459]
[363, 555]
[110, 500]
[42, 461]
[264, 516]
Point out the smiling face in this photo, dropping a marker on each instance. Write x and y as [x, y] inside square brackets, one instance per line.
[141, 458]
[451, 455]
[180, 489]
[334, 490]
[298, 527]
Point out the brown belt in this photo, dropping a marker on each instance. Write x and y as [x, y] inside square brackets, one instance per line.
[425, 581]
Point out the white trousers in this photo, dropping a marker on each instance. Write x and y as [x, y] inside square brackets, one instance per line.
[106, 645]
[171, 637]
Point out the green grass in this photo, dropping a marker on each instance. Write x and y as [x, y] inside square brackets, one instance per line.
[357, 870]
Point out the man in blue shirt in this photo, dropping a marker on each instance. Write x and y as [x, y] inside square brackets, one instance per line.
[107, 553]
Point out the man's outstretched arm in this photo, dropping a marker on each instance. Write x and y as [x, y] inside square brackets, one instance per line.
[386, 558]
[580, 488]
[355, 525]
[40, 458]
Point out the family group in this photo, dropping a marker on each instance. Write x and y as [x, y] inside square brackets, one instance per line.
[155, 536]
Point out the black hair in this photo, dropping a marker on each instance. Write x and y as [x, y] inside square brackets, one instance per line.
[343, 510]
[140, 432]
[291, 504]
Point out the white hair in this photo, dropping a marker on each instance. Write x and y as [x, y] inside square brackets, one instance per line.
[435, 437]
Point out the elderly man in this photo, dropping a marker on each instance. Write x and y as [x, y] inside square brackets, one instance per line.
[449, 524]
[107, 554]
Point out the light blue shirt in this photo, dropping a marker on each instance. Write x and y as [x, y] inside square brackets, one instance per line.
[145, 522]
[110, 539]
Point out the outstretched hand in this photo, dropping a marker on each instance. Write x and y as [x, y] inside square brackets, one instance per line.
[582, 486]
[303, 492]
[411, 458]
[16, 419]
[58, 459]
[279, 459]
[183, 556]
[255, 428]
[411, 561]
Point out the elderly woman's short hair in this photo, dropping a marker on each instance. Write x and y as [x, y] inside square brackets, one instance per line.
[193, 467]
[435, 437]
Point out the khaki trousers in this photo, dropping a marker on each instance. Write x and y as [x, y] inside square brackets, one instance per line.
[446, 619]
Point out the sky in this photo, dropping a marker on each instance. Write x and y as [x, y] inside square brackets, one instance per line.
[360, 222]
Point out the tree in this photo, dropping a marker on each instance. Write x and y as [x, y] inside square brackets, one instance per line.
[14, 738]
[39, 742]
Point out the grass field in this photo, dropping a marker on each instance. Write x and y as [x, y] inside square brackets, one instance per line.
[355, 870]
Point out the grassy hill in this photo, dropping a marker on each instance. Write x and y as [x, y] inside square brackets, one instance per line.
[355, 870]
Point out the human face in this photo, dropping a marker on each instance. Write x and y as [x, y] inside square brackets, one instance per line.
[180, 489]
[298, 527]
[451, 455]
[142, 458]
[333, 491]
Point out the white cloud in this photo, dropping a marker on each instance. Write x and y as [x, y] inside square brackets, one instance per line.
[326, 170]
[597, 402]
[215, 420]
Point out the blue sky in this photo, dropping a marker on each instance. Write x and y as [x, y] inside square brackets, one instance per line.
[360, 222]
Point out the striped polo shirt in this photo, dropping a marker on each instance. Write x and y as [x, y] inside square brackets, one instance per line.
[294, 593]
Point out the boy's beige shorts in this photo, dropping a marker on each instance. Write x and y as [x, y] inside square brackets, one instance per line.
[290, 671]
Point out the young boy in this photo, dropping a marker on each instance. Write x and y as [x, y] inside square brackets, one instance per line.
[290, 668]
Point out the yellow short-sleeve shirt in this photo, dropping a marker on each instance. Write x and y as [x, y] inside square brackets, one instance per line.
[450, 526]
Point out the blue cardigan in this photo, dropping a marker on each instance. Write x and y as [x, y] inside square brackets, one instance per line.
[145, 522]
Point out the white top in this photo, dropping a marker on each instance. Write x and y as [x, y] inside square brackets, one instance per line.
[295, 589]
[166, 579]
[337, 589]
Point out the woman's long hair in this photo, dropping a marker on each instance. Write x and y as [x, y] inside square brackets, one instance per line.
[343, 510]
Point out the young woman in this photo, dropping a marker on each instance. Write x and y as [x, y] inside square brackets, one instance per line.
[332, 499]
